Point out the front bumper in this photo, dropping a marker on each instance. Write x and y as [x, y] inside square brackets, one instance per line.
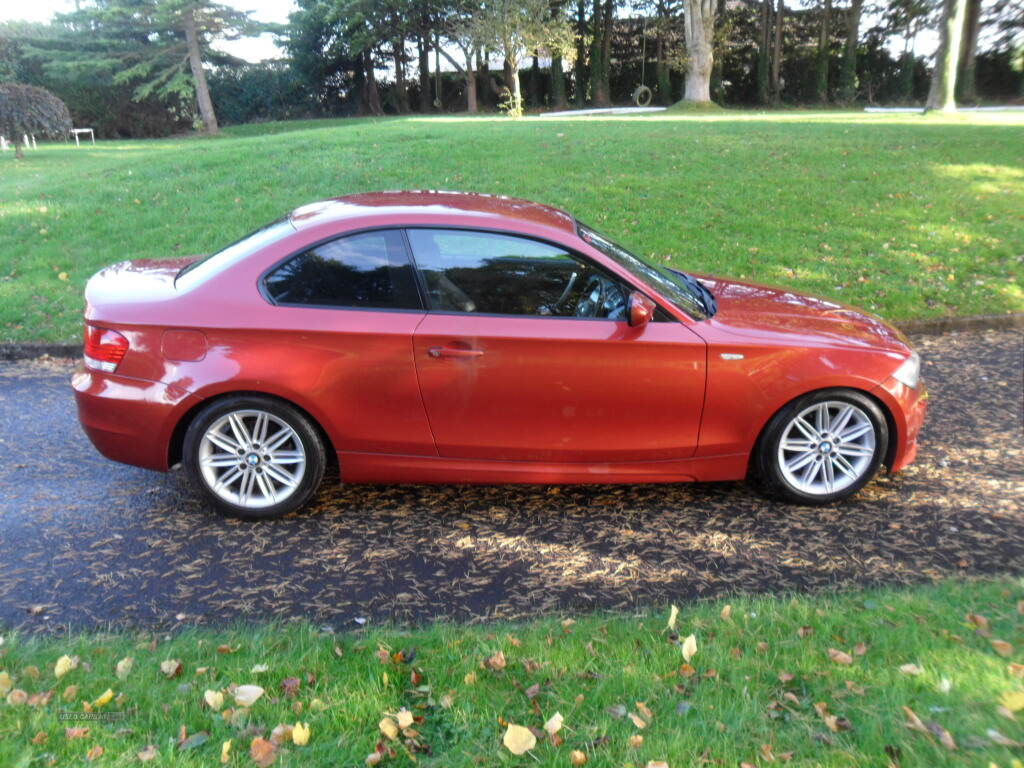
[129, 420]
[908, 408]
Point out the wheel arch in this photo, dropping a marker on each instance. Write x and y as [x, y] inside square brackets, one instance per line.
[890, 423]
[177, 441]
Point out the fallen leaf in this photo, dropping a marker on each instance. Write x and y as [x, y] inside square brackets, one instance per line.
[300, 734]
[913, 721]
[1016, 670]
[977, 621]
[389, 728]
[70, 693]
[405, 718]
[281, 733]
[577, 758]
[247, 695]
[259, 669]
[496, 662]
[225, 752]
[673, 614]
[104, 698]
[637, 720]
[1002, 647]
[911, 669]
[170, 668]
[147, 753]
[554, 724]
[519, 740]
[860, 649]
[805, 631]
[124, 668]
[40, 738]
[195, 740]
[533, 691]
[785, 677]
[76, 733]
[470, 678]
[636, 741]
[227, 648]
[64, 665]
[840, 657]
[617, 710]
[5, 683]
[290, 687]
[214, 700]
[945, 737]
[262, 752]
[17, 697]
[94, 754]
[644, 711]
[1002, 741]
[656, 764]
[726, 613]
[1013, 701]
[689, 647]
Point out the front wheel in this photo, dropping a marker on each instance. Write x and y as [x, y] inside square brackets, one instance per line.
[254, 457]
[823, 447]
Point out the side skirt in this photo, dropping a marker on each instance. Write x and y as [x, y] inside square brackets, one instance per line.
[392, 468]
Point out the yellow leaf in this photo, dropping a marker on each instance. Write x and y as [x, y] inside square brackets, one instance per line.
[170, 668]
[637, 720]
[726, 612]
[1013, 701]
[388, 728]
[64, 665]
[470, 678]
[578, 758]
[5, 683]
[63, 276]
[104, 698]
[689, 647]
[657, 764]
[644, 711]
[673, 614]
[518, 740]
[405, 718]
[247, 695]
[225, 751]
[554, 724]
[636, 741]
[910, 669]
[262, 752]
[1002, 647]
[94, 754]
[300, 734]
[124, 668]
[147, 754]
[214, 700]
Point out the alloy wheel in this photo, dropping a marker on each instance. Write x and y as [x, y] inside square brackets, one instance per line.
[252, 458]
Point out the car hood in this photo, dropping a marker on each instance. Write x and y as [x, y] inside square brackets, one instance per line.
[760, 313]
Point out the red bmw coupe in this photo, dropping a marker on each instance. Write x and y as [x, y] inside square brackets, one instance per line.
[439, 337]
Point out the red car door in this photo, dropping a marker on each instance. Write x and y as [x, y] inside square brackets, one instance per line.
[527, 356]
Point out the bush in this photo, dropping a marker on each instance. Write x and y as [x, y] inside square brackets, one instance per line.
[27, 109]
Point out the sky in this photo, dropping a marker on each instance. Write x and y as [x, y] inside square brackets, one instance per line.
[250, 48]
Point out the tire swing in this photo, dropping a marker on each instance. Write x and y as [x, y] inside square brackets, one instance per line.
[642, 95]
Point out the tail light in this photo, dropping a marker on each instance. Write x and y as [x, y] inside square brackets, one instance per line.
[104, 348]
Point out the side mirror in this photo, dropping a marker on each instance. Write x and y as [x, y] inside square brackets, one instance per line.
[641, 309]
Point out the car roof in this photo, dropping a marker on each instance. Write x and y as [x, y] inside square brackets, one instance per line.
[447, 206]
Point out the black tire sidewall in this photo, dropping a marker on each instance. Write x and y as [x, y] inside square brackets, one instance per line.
[312, 444]
[767, 464]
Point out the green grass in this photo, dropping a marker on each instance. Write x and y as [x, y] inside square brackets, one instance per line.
[730, 703]
[909, 216]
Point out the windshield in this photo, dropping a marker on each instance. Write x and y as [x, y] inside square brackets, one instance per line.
[200, 270]
[681, 289]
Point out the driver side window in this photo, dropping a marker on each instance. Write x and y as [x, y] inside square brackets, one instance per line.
[490, 273]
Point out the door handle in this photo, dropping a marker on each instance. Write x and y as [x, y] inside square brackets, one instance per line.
[456, 352]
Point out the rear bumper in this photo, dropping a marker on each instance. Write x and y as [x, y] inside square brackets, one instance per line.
[908, 407]
[129, 420]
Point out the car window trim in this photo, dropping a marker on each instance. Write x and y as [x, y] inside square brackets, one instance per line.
[425, 296]
[261, 281]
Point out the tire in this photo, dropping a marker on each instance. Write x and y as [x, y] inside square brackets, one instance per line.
[822, 447]
[242, 477]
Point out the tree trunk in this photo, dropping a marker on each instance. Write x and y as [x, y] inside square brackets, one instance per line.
[557, 82]
[606, 49]
[848, 73]
[195, 62]
[776, 84]
[763, 59]
[579, 86]
[438, 82]
[717, 67]
[470, 82]
[424, 54]
[401, 91]
[942, 94]
[699, 29]
[598, 95]
[372, 94]
[969, 52]
[824, 44]
[534, 97]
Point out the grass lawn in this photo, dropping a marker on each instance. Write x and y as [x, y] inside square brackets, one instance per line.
[910, 216]
[808, 681]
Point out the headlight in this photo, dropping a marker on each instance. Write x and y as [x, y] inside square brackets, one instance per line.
[909, 372]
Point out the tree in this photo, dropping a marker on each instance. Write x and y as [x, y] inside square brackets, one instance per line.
[517, 28]
[848, 71]
[776, 81]
[600, 52]
[699, 31]
[159, 46]
[763, 52]
[29, 110]
[969, 52]
[824, 45]
[942, 94]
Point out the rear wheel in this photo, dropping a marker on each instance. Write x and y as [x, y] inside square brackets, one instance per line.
[254, 457]
[823, 447]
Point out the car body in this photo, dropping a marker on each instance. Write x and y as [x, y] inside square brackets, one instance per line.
[423, 337]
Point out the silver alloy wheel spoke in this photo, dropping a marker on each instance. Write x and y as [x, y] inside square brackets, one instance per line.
[827, 447]
[252, 458]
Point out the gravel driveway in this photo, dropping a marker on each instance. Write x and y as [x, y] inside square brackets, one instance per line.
[86, 542]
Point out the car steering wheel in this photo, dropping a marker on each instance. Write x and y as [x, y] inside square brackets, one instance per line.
[601, 298]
